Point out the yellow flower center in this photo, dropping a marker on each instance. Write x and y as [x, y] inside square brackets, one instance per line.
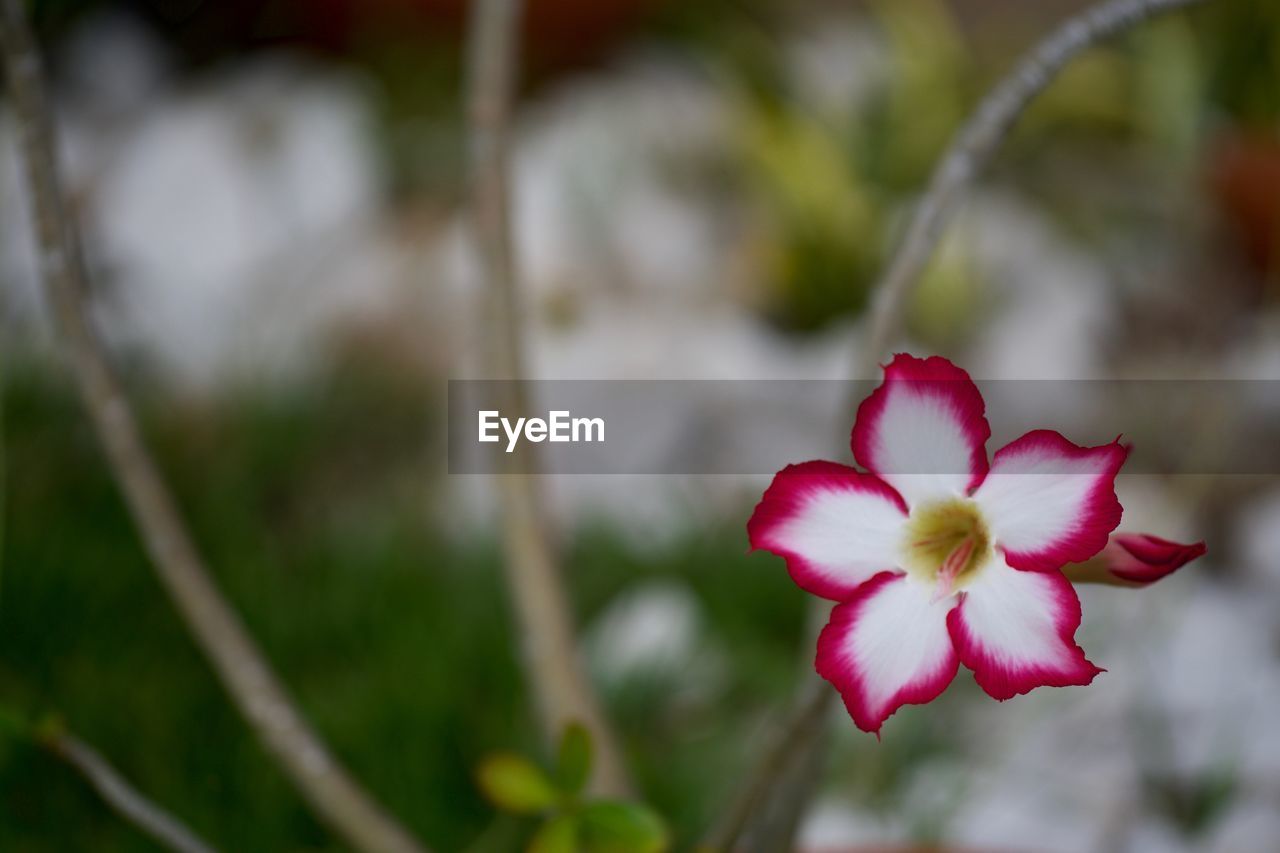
[947, 544]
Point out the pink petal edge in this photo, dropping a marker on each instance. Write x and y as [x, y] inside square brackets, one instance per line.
[1101, 509]
[783, 501]
[833, 665]
[1002, 680]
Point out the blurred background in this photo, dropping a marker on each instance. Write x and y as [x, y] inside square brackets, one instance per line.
[272, 199]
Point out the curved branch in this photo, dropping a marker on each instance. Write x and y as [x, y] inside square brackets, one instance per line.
[763, 808]
[975, 143]
[334, 796]
[126, 800]
[562, 691]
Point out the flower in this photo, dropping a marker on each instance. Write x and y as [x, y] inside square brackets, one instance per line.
[936, 556]
[1139, 559]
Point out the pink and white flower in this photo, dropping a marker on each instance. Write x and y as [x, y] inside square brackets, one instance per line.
[936, 556]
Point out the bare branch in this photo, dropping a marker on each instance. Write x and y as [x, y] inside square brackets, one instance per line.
[336, 798]
[126, 800]
[775, 771]
[771, 810]
[972, 148]
[555, 672]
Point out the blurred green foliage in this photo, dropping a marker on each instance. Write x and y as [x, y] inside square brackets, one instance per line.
[826, 181]
[313, 509]
[574, 759]
[1241, 48]
[515, 784]
[831, 185]
[377, 632]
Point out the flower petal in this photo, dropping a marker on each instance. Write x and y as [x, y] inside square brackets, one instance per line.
[1050, 502]
[1016, 631]
[1143, 559]
[924, 430]
[886, 647]
[834, 525]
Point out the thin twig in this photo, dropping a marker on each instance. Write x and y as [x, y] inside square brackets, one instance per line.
[126, 800]
[969, 152]
[772, 767]
[554, 669]
[334, 796]
[4, 460]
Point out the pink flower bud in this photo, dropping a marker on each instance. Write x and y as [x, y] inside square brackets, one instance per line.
[1143, 559]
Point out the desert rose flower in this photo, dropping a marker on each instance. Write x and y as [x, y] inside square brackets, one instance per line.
[936, 556]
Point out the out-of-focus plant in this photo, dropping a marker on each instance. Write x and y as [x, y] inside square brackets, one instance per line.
[820, 225]
[14, 727]
[570, 822]
[827, 183]
[1241, 43]
[950, 298]
[930, 87]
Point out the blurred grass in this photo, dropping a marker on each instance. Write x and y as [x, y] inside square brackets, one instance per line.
[376, 631]
[393, 635]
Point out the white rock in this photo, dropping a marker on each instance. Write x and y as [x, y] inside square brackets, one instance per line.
[1248, 828]
[654, 630]
[831, 824]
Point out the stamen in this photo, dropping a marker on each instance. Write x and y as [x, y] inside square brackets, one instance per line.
[950, 570]
[946, 543]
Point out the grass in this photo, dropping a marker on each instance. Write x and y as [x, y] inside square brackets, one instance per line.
[392, 633]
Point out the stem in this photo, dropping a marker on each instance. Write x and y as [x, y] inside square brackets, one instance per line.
[126, 800]
[969, 152]
[973, 146]
[562, 692]
[780, 756]
[1095, 571]
[333, 795]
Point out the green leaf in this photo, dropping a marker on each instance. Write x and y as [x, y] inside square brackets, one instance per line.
[515, 784]
[573, 764]
[557, 835]
[610, 826]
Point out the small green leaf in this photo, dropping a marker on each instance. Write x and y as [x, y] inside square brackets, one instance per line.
[573, 765]
[610, 826]
[515, 784]
[558, 835]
